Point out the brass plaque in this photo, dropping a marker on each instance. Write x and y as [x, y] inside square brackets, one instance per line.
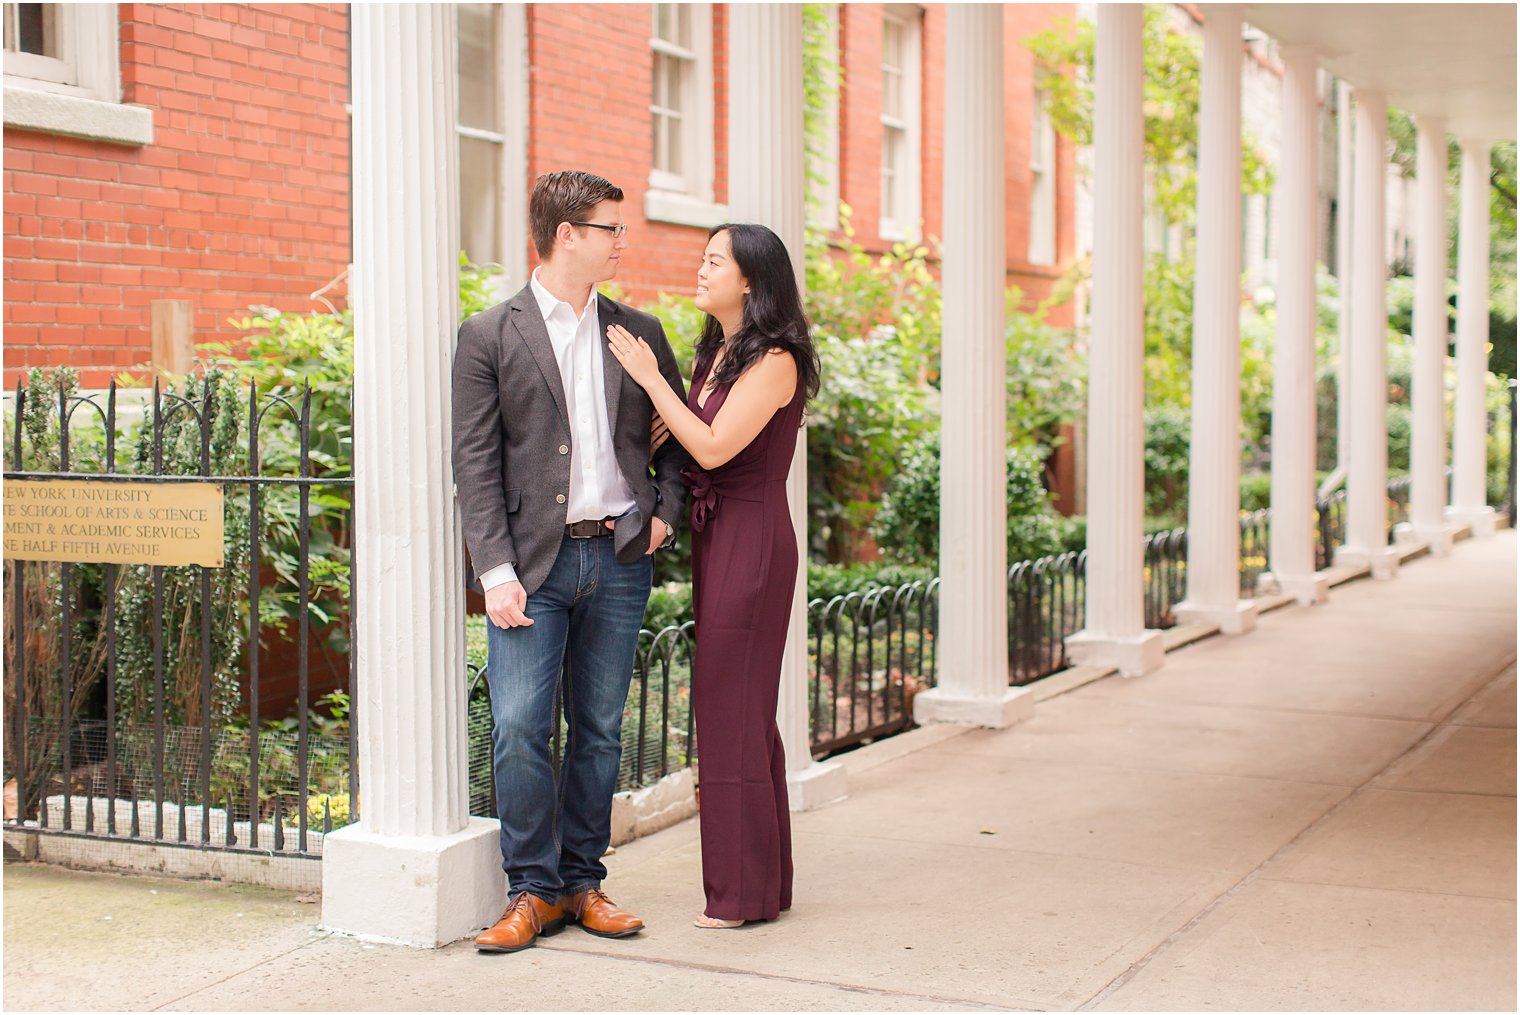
[113, 523]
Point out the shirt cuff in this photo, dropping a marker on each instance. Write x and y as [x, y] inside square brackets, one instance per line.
[498, 575]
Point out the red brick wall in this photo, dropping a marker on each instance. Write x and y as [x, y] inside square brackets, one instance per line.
[244, 195]
[242, 198]
[860, 98]
[591, 80]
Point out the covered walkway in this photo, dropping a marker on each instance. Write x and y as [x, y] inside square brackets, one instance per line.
[1318, 815]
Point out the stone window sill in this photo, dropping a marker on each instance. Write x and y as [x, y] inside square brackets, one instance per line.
[682, 209]
[77, 116]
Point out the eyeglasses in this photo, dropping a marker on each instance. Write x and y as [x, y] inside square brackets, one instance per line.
[617, 231]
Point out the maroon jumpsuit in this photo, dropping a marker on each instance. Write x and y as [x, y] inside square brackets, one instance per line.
[744, 569]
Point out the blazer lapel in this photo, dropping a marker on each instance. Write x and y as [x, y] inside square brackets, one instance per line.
[609, 313]
[529, 324]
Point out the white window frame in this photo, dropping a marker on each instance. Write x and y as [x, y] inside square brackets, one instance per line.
[1042, 183]
[825, 171]
[901, 224]
[79, 91]
[687, 197]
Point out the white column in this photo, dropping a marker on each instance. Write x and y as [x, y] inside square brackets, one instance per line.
[1115, 634]
[416, 869]
[1345, 192]
[765, 185]
[1213, 565]
[973, 535]
[1367, 476]
[1291, 553]
[1427, 452]
[1469, 453]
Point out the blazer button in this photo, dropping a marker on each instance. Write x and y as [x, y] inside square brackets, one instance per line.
[559, 498]
[564, 449]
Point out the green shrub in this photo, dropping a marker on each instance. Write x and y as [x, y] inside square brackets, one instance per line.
[1255, 491]
[1168, 441]
[1047, 375]
[669, 605]
[907, 527]
[825, 581]
[1072, 533]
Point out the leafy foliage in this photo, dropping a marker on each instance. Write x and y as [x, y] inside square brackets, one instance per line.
[1064, 73]
[1047, 376]
[907, 527]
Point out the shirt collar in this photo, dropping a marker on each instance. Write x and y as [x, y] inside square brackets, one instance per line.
[547, 301]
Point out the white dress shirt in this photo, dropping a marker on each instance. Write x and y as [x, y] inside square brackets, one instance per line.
[597, 487]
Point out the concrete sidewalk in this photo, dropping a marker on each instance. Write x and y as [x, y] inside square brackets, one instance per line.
[1318, 815]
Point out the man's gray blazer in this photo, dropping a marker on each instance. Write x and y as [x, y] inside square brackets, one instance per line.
[512, 439]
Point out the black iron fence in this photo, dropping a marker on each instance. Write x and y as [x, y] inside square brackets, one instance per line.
[657, 726]
[138, 696]
[870, 652]
[133, 692]
[1047, 601]
[1331, 512]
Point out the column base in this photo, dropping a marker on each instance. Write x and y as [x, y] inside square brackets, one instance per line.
[1438, 539]
[939, 705]
[1481, 523]
[1133, 656]
[820, 784]
[1237, 619]
[422, 891]
[1382, 562]
[1307, 590]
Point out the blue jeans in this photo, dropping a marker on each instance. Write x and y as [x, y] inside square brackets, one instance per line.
[590, 607]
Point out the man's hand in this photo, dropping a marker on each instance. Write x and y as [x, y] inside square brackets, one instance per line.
[659, 433]
[505, 604]
[658, 530]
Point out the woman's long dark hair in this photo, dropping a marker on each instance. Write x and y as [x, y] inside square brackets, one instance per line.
[773, 314]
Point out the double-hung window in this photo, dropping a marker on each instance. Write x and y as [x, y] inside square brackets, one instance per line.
[481, 131]
[1042, 185]
[900, 123]
[681, 116]
[63, 73]
[491, 128]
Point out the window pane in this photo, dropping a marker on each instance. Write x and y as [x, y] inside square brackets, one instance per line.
[675, 96]
[891, 44]
[479, 199]
[661, 159]
[32, 28]
[674, 154]
[479, 87]
[683, 26]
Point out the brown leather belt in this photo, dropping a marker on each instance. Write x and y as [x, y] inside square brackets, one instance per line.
[589, 529]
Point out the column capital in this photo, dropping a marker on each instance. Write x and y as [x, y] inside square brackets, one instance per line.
[1430, 122]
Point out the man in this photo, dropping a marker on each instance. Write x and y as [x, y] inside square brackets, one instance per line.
[562, 518]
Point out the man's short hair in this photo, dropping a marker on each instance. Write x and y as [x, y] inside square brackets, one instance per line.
[565, 196]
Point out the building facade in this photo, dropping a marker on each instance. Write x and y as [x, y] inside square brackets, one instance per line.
[211, 162]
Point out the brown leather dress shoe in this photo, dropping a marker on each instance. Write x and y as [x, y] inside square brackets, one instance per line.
[526, 918]
[598, 915]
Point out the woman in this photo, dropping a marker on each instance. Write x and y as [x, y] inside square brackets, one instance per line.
[755, 368]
